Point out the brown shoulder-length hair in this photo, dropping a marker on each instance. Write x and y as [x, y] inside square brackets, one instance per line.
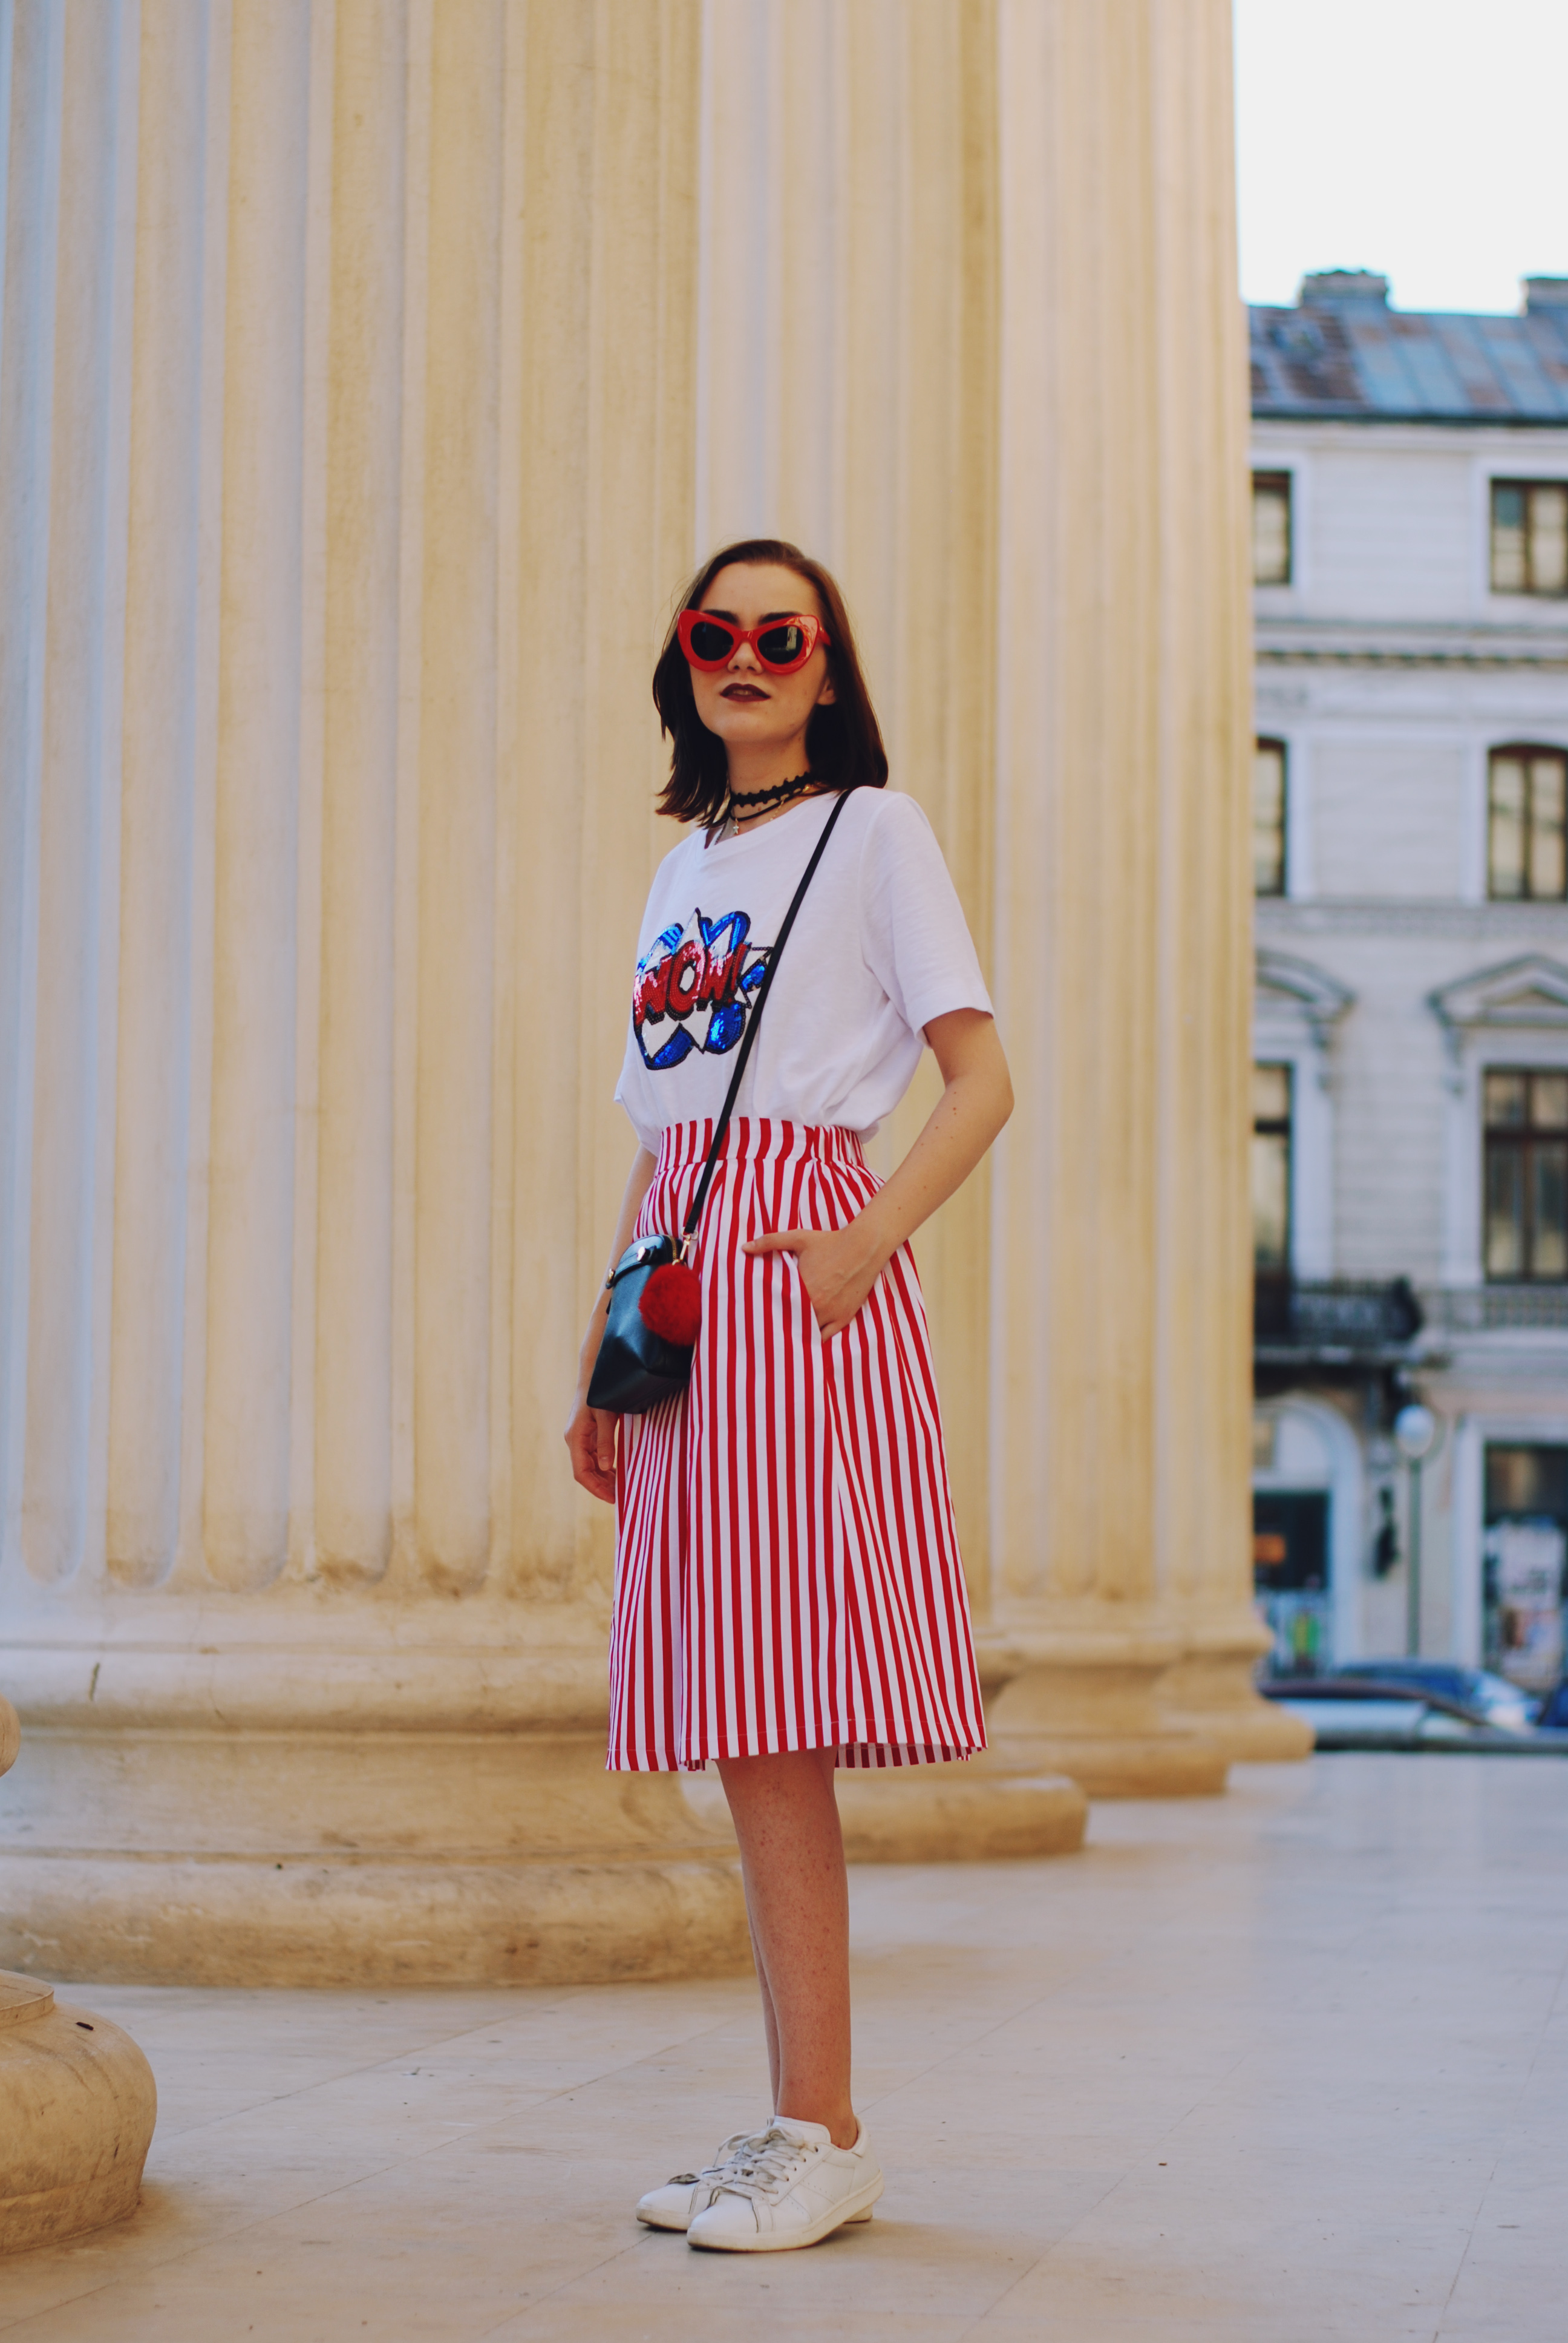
[843, 740]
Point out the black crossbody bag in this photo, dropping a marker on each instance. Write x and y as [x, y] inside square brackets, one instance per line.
[651, 1286]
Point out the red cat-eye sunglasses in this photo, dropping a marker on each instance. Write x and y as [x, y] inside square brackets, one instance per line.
[782, 645]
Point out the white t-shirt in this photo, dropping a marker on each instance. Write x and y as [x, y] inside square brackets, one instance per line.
[879, 948]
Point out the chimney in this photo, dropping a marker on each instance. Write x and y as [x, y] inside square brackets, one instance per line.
[1343, 289]
[1545, 294]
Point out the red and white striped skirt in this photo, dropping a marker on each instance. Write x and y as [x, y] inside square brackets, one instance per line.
[786, 1566]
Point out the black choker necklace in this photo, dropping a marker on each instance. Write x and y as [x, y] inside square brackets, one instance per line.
[756, 801]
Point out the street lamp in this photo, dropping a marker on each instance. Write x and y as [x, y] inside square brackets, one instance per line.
[1417, 1434]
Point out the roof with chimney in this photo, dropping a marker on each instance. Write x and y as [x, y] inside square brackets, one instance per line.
[1344, 352]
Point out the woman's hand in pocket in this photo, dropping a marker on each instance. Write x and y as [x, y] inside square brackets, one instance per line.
[838, 1268]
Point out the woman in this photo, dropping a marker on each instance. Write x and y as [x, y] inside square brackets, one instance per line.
[788, 1594]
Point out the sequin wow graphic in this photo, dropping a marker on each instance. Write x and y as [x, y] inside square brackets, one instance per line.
[694, 988]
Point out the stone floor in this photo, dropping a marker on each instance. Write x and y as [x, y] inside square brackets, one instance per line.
[1285, 2067]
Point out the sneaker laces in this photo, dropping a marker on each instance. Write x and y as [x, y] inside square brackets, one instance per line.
[772, 2168]
[728, 2152]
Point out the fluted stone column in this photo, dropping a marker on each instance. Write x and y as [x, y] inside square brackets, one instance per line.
[1120, 1271]
[993, 370]
[346, 469]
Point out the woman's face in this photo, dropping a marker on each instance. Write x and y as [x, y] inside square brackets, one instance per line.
[750, 710]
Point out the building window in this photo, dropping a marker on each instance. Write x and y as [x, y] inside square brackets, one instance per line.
[1527, 1236]
[1272, 1170]
[1269, 818]
[1530, 536]
[1270, 528]
[1527, 835]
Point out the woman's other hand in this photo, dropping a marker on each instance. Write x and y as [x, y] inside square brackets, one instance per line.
[838, 1267]
[590, 1443]
[590, 1432]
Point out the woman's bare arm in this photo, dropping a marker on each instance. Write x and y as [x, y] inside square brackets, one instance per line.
[590, 1432]
[838, 1267]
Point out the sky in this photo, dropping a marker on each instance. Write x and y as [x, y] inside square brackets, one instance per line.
[1424, 138]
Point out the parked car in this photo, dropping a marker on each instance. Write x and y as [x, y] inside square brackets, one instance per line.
[1554, 1714]
[1502, 1704]
[1369, 1712]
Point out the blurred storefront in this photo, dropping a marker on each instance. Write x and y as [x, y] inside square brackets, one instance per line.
[1525, 1575]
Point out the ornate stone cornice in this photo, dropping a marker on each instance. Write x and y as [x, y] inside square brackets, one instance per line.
[1382, 915]
[1321, 998]
[1528, 994]
[1532, 991]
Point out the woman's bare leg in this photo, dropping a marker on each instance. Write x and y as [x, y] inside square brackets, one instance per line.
[792, 1860]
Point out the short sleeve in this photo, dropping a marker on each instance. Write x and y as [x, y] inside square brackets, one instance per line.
[626, 1096]
[916, 939]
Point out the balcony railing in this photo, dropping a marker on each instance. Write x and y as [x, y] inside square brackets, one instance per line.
[1486, 1309]
[1365, 1321]
[1333, 1318]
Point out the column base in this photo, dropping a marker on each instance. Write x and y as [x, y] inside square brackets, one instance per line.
[1099, 1721]
[1210, 1691]
[365, 1921]
[340, 1817]
[969, 1813]
[77, 2106]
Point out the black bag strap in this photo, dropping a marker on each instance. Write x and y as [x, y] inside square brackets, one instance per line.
[694, 1217]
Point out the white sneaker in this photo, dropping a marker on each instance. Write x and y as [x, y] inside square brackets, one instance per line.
[685, 2193]
[789, 2187]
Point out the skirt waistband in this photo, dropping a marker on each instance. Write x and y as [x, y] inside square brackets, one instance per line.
[759, 1139]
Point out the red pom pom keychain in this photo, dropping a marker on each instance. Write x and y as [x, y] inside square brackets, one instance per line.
[671, 1303]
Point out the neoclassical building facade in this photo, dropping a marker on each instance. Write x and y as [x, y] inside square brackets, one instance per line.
[371, 373]
[1412, 1019]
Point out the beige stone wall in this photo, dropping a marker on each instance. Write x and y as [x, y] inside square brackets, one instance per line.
[1120, 1328]
[370, 374]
